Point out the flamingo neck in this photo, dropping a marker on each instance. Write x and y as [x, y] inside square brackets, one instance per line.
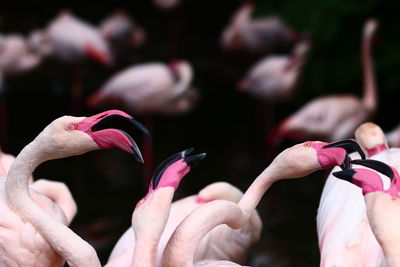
[255, 192]
[183, 243]
[63, 240]
[370, 95]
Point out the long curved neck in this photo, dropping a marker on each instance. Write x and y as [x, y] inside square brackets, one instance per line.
[255, 192]
[369, 98]
[185, 77]
[187, 236]
[63, 240]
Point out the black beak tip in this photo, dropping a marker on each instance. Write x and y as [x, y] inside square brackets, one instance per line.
[195, 159]
[345, 174]
[136, 153]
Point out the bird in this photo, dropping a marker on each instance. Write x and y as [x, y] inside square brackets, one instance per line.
[274, 77]
[150, 88]
[35, 219]
[260, 35]
[183, 243]
[382, 202]
[213, 245]
[152, 213]
[335, 117]
[71, 39]
[119, 29]
[16, 56]
[344, 234]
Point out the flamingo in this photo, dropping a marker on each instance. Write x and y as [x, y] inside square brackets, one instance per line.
[382, 202]
[166, 4]
[71, 39]
[16, 56]
[344, 234]
[294, 162]
[275, 77]
[151, 214]
[256, 35]
[213, 245]
[149, 88]
[34, 231]
[119, 29]
[336, 117]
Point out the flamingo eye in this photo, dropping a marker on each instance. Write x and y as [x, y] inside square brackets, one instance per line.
[71, 126]
[307, 144]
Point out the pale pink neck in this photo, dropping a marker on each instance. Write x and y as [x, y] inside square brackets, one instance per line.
[255, 192]
[184, 241]
[145, 253]
[369, 98]
[63, 240]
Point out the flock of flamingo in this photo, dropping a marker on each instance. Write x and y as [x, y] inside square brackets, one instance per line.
[357, 217]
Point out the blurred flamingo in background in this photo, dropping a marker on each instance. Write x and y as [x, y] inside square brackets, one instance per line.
[71, 39]
[152, 213]
[382, 204]
[34, 218]
[119, 29]
[16, 57]
[182, 245]
[258, 35]
[335, 117]
[275, 77]
[149, 88]
[393, 137]
[344, 234]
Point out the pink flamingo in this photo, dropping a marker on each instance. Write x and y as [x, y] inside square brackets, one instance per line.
[149, 88]
[336, 117]
[16, 56]
[275, 77]
[345, 236]
[213, 245]
[152, 213]
[393, 137]
[70, 39]
[382, 202]
[37, 220]
[119, 29]
[183, 243]
[256, 35]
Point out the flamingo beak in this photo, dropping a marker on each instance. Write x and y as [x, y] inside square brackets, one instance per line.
[172, 162]
[376, 165]
[348, 145]
[114, 128]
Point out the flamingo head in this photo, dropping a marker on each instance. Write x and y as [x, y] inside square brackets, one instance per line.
[371, 138]
[152, 212]
[305, 158]
[368, 179]
[69, 136]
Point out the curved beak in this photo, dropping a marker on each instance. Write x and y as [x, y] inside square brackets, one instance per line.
[348, 145]
[114, 128]
[178, 158]
[376, 165]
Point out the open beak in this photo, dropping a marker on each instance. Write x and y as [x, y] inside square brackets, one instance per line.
[114, 128]
[376, 165]
[183, 157]
[348, 145]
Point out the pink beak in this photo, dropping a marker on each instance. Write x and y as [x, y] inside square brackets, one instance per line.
[114, 128]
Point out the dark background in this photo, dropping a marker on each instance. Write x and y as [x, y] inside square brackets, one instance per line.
[229, 126]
